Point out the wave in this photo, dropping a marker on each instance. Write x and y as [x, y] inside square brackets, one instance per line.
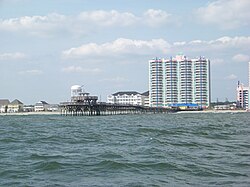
[44, 166]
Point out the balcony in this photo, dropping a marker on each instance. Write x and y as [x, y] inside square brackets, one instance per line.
[186, 84]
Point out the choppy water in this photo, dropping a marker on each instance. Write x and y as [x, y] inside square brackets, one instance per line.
[132, 150]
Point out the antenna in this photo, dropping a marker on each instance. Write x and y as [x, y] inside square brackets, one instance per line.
[82, 88]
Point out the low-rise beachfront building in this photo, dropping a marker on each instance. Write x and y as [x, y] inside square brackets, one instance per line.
[41, 106]
[225, 107]
[4, 105]
[145, 99]
[15, 106]
[53, 108]
[28, 108]
[125, 98]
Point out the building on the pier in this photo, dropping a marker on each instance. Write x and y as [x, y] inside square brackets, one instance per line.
[179, 80]
[15, 106]
[76, 91]
[78, 94]
[242, 96]
[4, 105]
[125, 97]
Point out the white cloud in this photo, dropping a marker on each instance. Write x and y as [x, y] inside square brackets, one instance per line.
[34, 24]
[31, 72]
[12, 56]
[227, 14]
[179, 43]
[125, 47]
[241, 58]
[150, 17]
[84, 22]
[156, 17]
[79, 69]
[223, 43]
[120, 46]
[231, 77]
[108, 18]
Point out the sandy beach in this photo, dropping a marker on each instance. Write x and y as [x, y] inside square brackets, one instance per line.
[30, 113]
[214, 111]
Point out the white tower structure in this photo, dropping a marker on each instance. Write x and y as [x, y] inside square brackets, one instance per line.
[76, 90]
[79, 94]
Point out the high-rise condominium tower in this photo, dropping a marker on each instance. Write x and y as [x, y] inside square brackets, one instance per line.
[179, 80]
[242, 96]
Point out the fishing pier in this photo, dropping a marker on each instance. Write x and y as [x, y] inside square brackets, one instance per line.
[88, 106]
[101, 109]
[82, 104]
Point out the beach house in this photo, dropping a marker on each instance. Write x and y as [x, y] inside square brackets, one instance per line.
[41, 106]
[15, 106]
[4, 105]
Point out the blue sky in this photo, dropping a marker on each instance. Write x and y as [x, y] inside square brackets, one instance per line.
[48, 46]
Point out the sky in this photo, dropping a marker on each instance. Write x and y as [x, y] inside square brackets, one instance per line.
[48, 46]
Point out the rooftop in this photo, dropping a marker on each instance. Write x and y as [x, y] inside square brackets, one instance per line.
[126, 93]
[4, 102]
[16, 102]
[146, 93]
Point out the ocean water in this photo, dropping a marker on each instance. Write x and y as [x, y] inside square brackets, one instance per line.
[182, 149]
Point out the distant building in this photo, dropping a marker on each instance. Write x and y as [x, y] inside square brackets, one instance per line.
[29, 108]
[15, 106]
[53, 108]
[41, 106]
[179, 80]
[225, 107]
[145, 99]
[186, 106]
[4, 105]
[126, 97]
[242, 96]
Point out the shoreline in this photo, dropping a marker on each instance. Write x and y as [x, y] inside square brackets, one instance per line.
[29, 113]
[179, 112]
[214, 111]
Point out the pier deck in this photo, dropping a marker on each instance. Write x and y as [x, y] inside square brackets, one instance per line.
[98, 109]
